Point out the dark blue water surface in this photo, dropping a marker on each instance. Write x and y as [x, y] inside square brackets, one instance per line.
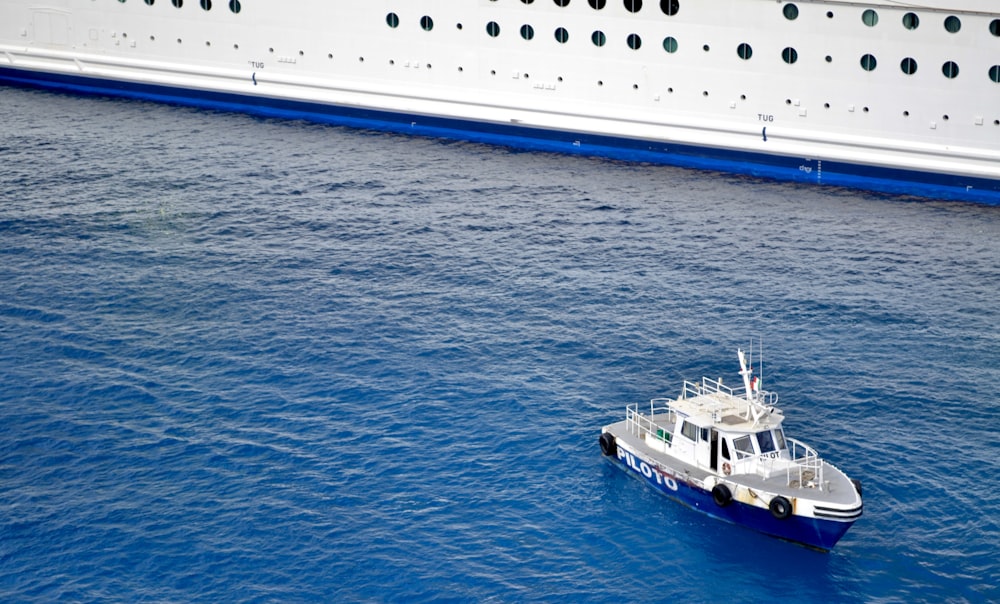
[250, 360]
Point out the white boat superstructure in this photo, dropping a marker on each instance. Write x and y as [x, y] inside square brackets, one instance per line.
[724, 451]
[890, 95]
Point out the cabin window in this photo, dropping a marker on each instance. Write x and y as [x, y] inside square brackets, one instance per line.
[634, 41]
[725, 449]
[670, 7]
[527, 32]
[426, 23]
[704, 435]
[744, 51]
[791, 12]
[234, 5]
[562, 2]
[869, 18]
[392, 20]
[178, 3]
[790, 55]
[670, 44]
[911, 21]
[995, 27]
[952, 24]
[493, 29]
[743, 446]
[995, 73]
[689, 430]
[597, 4]
[908, 65]
[633, 6]
[950, 69]
[868, 62]
[765, 441]
[598, 38]
[149, 2]
[779, 439]
[562, 36]
[206, 4]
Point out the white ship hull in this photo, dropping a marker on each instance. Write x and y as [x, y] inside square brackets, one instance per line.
[896, 99]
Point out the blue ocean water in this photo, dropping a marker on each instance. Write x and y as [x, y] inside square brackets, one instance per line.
[272, 361]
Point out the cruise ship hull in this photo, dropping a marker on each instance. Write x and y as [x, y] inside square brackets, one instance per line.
[942, 139]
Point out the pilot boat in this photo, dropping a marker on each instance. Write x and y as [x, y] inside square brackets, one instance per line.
[724, 452]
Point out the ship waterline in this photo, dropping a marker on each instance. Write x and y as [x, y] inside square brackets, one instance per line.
[874, 96]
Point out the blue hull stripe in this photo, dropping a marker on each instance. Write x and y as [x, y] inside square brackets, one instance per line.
[885, 180]
[814, 532]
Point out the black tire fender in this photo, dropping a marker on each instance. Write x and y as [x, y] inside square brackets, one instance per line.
[780, 508]
[721, 495]
[608, 445]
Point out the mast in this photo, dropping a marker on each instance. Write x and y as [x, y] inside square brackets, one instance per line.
[752, 388]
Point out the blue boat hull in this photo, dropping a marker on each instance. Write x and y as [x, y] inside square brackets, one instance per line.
[881, 179]
[813, 532]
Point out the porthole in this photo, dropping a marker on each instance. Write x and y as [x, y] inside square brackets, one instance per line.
[562, 36]
[493, 29]
[458, 26]
[829, 14]
[670, 44]
[122, 1]
[790, 55]
[562, 2]
[206, 4]
[177, 3]
[706, 47]
[829, 59]
[995, 27]
[995, 73]
[670, 7]
[597, 4]
[234, 5]
[911, 21]
[952, 24]
[869, 18]
[598, 38]
[908, 65]
[527, 32]
[950, 69]
[527, 1]
[634, 41]
[392, 19]
[426, 23]
[791, 12]
[633, 6]
[906, 114]
[868, 62]
[744, 51]
[149, 2]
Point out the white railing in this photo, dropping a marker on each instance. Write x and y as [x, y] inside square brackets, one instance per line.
[807, 467]
[640, 424]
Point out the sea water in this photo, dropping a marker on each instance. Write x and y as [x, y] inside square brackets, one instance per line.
[273, 361]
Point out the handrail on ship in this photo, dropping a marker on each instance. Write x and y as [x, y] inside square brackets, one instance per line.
[806, 469]
[641, 424]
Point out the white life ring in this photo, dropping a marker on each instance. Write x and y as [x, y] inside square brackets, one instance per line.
[726, 468]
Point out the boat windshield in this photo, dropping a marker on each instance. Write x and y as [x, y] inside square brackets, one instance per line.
[765, 440]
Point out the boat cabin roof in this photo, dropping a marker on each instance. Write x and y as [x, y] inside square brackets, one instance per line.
[712, 404]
